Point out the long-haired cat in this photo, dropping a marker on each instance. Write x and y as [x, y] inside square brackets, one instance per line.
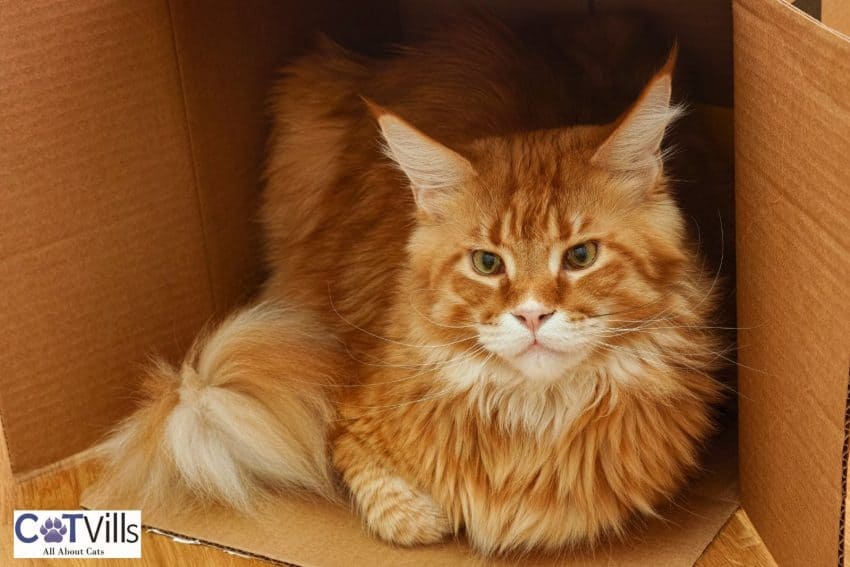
[481, 318]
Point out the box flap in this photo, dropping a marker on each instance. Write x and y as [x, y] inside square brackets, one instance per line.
[101, 253]
[792, 128]
[316, 534]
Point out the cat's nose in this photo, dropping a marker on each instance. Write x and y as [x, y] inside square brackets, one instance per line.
[532, 317]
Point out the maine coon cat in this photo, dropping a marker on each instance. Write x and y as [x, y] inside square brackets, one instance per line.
[480, 317]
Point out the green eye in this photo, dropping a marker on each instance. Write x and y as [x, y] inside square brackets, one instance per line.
[487, 263]
[580, 256]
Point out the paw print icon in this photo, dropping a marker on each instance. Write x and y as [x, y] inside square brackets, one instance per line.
[52, 530]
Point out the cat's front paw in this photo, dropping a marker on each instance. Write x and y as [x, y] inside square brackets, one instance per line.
[395, 511]
[391, 508]
[405, 516]
[408, 519]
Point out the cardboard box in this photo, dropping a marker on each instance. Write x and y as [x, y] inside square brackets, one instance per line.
[131, 145]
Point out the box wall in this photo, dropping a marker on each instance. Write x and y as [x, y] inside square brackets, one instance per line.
[792, 118]
[101, 252]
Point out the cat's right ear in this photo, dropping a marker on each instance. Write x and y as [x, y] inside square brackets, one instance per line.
[634, 146]
[434, 170]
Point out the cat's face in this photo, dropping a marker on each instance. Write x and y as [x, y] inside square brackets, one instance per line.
[541, 249]
[544, 258]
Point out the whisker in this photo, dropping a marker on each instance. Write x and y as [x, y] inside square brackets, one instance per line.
[387, 339]
[632, 309]
[435, 323]
[679, 362]
[720, 264]
[712, 327]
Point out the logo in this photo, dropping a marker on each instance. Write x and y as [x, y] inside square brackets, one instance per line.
[60, 534]
[53, 530]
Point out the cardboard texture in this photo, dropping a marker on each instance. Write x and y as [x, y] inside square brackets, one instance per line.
[792, 118]
[130, 154]
[101, 252]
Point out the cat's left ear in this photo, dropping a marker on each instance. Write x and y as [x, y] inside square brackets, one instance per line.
[634, 147]
[434, 170]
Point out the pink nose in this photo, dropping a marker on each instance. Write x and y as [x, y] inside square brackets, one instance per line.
[532, 319]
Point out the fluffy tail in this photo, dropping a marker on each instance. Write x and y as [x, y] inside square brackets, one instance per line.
[247, 411]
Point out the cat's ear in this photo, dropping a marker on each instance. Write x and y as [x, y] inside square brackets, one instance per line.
[634, 147]
[434, 170]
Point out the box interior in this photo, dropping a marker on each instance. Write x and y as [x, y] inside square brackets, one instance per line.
[132, 151]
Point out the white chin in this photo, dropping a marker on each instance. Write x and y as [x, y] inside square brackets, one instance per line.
[546, 365]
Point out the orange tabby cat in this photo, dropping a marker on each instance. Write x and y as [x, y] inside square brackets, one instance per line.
[480, 319]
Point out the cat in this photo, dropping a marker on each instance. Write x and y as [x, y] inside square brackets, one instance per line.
[480, 317]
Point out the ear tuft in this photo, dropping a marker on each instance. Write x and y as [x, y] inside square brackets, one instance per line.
[434, 170]
[634, 146]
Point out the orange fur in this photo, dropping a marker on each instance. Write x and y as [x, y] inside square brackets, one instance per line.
[454, 421]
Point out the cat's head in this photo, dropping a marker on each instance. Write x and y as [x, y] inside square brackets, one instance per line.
[541, 249]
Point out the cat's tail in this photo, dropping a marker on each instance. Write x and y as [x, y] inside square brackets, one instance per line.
[247, 411]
